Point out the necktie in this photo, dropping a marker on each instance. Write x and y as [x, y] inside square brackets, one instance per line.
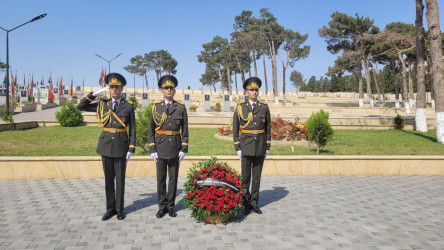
[116, 103]
[168, 108]
[254, 105]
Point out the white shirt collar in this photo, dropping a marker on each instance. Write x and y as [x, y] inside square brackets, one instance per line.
[118, 100]
[166, 102]
[251, 103]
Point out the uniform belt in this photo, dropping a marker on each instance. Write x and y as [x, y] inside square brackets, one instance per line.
[114, 130]
[254, 132]
[166, 132]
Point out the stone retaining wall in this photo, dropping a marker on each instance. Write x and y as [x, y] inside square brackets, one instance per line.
[144, 166]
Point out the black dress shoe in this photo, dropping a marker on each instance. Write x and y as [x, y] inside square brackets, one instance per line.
[257, 210]
[109, 214]
[121, 215]
[246, 210]
[172, 213]
[161, 212]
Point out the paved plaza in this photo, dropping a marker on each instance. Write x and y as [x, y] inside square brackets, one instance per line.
[311, 212]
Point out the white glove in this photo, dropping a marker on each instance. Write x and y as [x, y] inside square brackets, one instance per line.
[266, 153]
[239, 153]
[154, 156]
[181, 156]
[100, 91]
[128, 156]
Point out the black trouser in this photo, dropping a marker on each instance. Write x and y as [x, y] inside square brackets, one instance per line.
[167, 200]
[114, 168]
[252, 166]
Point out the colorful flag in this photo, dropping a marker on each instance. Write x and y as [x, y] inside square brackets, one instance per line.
[70, 91]
[61, 87]
[104, 76]
[101, 77]
[50, 82]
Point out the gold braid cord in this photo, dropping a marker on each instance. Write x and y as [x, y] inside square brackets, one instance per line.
[103, 118]
[158, 119]
[241, 116]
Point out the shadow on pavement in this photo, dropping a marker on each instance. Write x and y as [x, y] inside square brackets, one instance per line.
[269, 196]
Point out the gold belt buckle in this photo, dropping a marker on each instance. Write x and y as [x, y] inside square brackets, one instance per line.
[113, 130]
[169, 132]
[254, 132]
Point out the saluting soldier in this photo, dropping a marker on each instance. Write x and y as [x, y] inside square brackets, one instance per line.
[252, 139]
[117, 140]
[168, 143]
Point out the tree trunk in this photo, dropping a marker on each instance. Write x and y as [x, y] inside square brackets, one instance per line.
[254, 63]
[229, 81]
[376, 84]
[274, 72]
[395, 79]
[420, 115]
[378, 74]
[358, 77]
[235, 83]
[404, 89]
[265, 75]
[432, 90]
[435, 39]
[368, 81]
[411, 94]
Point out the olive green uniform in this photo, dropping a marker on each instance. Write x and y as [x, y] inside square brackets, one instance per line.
[168, 135]
[253, 143]
[114, 144]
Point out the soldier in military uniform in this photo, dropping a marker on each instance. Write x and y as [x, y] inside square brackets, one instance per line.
[116, 118]
[168, 143]
[252, 139]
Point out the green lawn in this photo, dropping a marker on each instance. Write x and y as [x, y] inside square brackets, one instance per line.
[82, 141]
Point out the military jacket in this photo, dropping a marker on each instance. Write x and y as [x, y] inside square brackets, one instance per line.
[111, 144]
[255, 142]
[168, 133]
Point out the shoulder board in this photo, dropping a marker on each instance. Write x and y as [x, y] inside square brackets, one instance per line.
[181, 103]
[156, 102]
[130, 102]
[263, 102]
[105, 98]
[242, 102]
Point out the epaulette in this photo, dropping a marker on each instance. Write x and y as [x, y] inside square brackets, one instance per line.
[156, 102]
[105, 98]
[181, 103]
[242, 102]
[130, 102]
[263, 102]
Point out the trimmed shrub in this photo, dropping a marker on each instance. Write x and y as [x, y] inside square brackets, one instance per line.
[319, 129]
[218, 107]
[142, 125]
[399, 121]
[7, 115]
[69, 115]
[133, 101]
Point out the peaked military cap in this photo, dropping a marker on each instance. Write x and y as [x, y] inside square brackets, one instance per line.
[167, 81]
[252, 83]
[115, 79]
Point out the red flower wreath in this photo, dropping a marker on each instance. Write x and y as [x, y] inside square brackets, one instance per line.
[213, 188]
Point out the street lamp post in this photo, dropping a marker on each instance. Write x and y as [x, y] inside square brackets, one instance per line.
[7, 54]
[109, 61]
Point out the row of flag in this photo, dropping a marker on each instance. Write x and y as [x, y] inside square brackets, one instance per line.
[59, 84]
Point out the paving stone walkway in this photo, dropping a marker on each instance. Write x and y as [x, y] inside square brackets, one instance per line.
[311, 212]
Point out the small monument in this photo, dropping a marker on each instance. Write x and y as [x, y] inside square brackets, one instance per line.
[3, 94]
[207, 103]
[227, 100]
[186, 101]
[145, 101]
